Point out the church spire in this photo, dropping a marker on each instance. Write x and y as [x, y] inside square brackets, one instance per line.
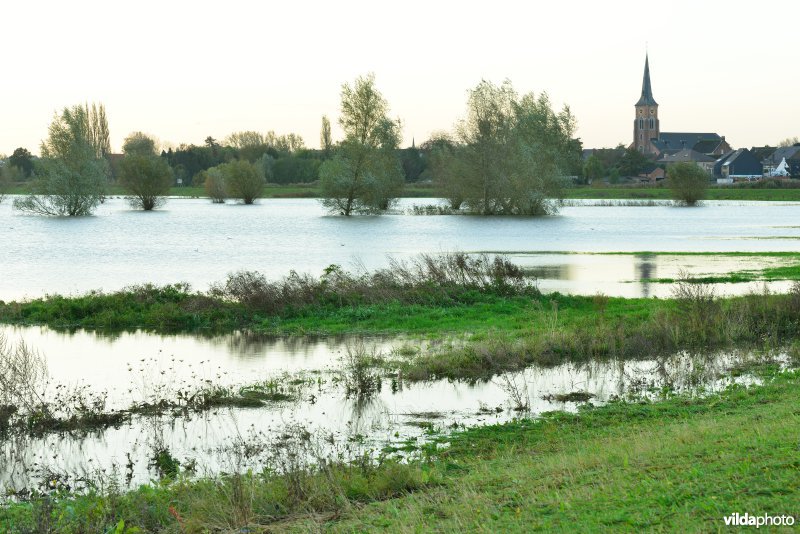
[647, 92]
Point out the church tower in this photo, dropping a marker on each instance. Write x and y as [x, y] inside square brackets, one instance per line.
[645, 126]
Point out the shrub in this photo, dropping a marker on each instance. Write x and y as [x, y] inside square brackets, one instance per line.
[688, 183]
[147, 179]
[243, 180]
[426, 279]
[214, 184]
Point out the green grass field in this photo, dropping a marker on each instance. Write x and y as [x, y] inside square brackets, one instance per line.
[675, 466]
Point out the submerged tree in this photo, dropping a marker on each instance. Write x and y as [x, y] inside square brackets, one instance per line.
[445, 168]
[510, 154]
[144, 175]
[70, 177]
[214, 184]
[243, 180]
[688, 182]
[365, 175]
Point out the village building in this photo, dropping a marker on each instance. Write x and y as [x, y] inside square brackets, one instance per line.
[790, 154]
[689, 155]
[738, 165]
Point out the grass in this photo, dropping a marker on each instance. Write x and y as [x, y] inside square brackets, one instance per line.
[679, 464]
[493, 333]
[271, 191]
[645, 192]
[662, 193]
[170, 309]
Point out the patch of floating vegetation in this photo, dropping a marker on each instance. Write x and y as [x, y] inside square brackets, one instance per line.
[573, 396]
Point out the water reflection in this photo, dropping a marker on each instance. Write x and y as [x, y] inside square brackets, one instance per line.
[637, 275]
[399, 411]
[645, 271]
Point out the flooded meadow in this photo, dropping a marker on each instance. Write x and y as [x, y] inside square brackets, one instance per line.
[142, 389]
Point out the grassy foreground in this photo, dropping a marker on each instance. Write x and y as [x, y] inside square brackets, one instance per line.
[680, 464]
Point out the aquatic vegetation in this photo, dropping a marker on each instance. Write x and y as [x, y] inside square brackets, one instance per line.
[360, 372]
[462, 479]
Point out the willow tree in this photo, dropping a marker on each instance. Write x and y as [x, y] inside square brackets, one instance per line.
[364, 176]
[510, 153]
[143, 174]
[242, 179]
[688, 182]
[71, 179]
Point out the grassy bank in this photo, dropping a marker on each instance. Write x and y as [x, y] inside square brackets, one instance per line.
[172, 309]
[271, 191]
[495, 330]
[662, 193]
[621, 192]
[680, 464]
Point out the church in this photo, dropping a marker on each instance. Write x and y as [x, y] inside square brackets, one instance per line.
[670, 146]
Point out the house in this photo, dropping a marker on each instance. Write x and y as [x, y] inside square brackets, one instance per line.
[792, 156]
[738, 165]
[652, 173]
[688, 154]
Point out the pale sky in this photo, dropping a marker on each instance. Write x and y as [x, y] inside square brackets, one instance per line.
[184, 70]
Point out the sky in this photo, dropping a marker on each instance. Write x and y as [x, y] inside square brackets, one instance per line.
[185, 70]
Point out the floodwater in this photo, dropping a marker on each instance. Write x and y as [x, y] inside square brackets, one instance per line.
[129, 368]
[195, 241]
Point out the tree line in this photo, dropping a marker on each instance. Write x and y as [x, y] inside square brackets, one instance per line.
[510, 154]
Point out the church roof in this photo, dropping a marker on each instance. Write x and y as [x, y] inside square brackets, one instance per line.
[647, 92]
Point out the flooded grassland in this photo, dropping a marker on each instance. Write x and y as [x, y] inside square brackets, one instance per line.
[368, 380]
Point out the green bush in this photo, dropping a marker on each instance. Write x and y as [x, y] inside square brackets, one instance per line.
[688, 182]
